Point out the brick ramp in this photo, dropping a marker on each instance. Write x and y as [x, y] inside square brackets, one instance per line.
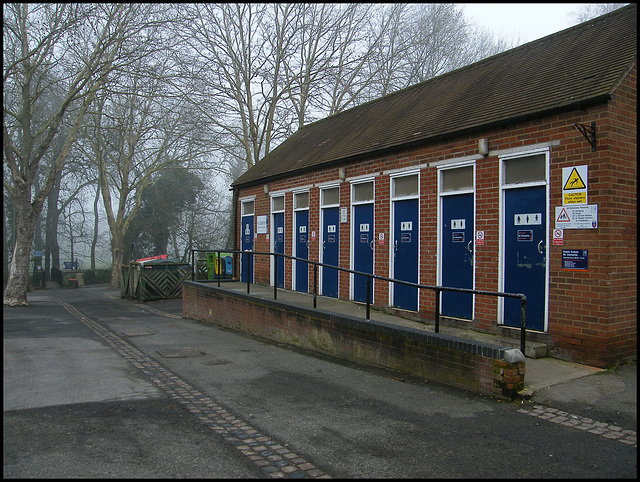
[473, 365]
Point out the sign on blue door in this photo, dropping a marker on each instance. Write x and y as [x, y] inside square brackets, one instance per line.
[525, 258]
[405, 264]
[457, 255]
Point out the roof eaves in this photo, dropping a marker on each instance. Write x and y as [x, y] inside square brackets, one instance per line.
[580, 104]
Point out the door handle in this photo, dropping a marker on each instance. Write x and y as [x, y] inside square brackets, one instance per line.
[540, 249]
[469, 246]
[371, 245]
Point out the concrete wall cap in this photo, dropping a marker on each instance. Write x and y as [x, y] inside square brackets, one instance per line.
[513, 356]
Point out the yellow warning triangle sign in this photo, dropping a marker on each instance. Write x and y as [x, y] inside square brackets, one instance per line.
[574, 181]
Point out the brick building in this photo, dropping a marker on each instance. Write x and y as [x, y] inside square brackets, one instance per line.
[514, 174]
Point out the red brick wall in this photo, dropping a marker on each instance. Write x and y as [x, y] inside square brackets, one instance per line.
[592, 314]
[623, 214]
[426, 355]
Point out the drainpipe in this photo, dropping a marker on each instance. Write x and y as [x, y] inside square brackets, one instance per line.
[234, 214]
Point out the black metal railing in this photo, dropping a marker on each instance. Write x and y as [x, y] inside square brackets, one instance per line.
[370, 277]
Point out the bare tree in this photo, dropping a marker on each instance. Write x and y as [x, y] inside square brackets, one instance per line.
[593, 10]
[140, 128]
[215, 87]
[387, 62]
[438, 39]
[66, 46]
[315, 49]
[253, 69]
[234, 55]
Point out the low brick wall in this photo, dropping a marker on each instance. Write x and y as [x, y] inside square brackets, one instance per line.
[470, 365]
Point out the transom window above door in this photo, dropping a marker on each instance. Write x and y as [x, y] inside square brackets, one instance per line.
[277, 203]
[247, 208]
[301, 200]
[404, 186]
[519, 170]
[363, 191]
[330, 196]
[458, 179]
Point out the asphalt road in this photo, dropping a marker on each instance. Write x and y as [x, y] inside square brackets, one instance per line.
[96, 386]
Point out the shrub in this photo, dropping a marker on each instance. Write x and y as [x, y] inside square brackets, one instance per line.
[96, 276]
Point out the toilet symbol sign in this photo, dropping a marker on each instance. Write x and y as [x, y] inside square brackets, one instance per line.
[527, 219]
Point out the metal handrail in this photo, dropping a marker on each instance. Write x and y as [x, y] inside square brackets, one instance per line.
[370, 276]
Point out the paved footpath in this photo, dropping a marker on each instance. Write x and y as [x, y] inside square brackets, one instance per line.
[272, 458]
[272, 411]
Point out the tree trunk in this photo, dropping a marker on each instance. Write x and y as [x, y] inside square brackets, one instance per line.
[52, 249]
[16, 291]
[94, 241]
[117, 255]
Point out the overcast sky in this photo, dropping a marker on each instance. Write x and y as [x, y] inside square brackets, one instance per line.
[522, 22]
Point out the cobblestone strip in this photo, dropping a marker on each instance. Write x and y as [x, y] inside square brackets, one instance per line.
[627, 437]
[275, 460]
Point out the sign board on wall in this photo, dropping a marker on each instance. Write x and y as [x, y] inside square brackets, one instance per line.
[261, 225]
[575, 260]
[558, 237]
[343, 215]
[574, 185]
[577, 217]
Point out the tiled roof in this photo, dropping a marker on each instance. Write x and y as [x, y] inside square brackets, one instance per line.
[565, 70]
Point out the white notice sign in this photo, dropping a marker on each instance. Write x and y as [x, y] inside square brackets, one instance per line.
[261, 227]
[577, 217]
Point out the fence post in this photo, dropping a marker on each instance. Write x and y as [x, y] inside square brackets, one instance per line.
[275, 276]
[437, 327]
[219, 268]
[368, 295]
[315, 284]
[249, 273]
[523, 322]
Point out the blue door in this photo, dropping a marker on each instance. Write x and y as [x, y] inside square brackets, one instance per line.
[302, 251]
[362, 250]
[330, 250]
[278, 246]
[457, 254]
[246, 260]
[405, 263]
[525, 257]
